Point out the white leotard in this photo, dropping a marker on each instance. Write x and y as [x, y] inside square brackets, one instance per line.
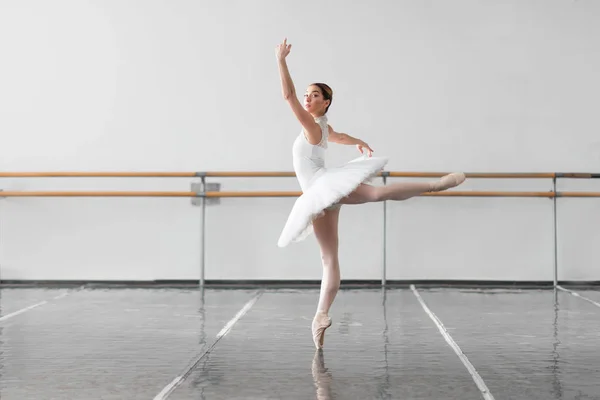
[309, 159]
[322, 187]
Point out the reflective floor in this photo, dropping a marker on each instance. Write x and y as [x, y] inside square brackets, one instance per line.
[88, 343]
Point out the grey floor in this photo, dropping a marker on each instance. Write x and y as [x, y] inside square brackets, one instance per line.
[124, 343]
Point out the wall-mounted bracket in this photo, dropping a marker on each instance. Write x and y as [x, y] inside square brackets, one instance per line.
[200, 188]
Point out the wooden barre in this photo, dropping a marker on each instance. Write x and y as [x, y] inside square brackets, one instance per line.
[577, 194]
[401, 174]
[97, 194]
[272, 174]
[99, 174]
[489, 175]
[449, 193]
[250, 174]
[397, 174]
[231, 194]
[438, 194]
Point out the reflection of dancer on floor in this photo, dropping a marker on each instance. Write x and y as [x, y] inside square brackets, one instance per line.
[322, 377]
[325, 189]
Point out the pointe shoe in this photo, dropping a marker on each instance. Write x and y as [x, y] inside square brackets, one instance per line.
[448, 181]
[319, 324]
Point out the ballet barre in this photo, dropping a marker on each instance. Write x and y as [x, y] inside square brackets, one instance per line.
[67, 174]
[407, 174]
[287, 174]
[273, 194]
[92, 193]
[202, 192]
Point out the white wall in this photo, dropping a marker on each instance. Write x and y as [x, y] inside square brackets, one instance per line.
[193, 86]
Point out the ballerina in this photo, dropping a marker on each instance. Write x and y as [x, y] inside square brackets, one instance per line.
[326, 189]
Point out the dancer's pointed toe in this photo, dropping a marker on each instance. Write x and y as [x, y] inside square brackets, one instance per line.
[320, 323]
[448, 181]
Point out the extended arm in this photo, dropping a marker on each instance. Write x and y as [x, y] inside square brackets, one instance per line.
[344, 138]
[311, 128]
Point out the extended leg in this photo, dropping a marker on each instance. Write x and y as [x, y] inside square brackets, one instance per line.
[326, 233]
[402, 190]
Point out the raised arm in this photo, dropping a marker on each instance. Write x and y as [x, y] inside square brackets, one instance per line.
[311, 128]
[344, 138]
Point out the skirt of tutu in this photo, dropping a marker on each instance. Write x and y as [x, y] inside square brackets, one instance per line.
[325, 190]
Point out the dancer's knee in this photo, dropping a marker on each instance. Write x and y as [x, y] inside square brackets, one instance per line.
[330, 261]
[375, 194]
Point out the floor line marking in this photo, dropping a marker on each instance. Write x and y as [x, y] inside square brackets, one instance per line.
[178, 380]
[474, 374]
[575, 294]
[41, 303]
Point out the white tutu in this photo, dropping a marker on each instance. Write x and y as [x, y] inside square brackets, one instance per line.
[326, 188]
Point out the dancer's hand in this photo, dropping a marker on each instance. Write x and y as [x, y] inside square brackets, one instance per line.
[362, 147]
[283, 49]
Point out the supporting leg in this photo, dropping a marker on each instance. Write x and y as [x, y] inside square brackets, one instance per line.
[326, 233]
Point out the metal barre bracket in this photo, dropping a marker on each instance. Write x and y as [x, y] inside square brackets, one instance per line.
[2, 197]
[200, 188]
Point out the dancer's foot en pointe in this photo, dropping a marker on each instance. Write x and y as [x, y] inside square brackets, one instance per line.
[319, 324]
[448, 181]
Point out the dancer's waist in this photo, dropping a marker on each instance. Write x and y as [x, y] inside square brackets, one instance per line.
[307, 171]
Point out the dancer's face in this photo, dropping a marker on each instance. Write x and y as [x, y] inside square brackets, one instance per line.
[314, 102]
